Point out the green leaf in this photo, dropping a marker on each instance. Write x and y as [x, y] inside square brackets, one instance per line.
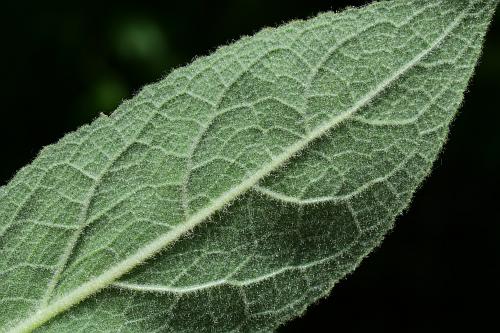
[239, 189]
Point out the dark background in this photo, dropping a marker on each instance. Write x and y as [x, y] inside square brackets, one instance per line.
[437, 271]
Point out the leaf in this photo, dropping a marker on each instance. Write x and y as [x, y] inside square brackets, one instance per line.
[239, 189]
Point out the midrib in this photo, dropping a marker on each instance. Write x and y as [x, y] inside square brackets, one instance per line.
[107, 278]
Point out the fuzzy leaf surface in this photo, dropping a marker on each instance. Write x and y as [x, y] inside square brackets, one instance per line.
[239, 189]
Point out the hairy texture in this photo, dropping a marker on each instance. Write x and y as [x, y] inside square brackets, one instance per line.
[239, 189]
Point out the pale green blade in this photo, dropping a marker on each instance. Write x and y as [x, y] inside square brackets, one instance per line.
[239, 189]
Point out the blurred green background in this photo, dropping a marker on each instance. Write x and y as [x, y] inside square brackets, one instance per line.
[437, 271]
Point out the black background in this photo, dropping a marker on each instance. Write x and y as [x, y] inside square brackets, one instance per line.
[437, 271]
